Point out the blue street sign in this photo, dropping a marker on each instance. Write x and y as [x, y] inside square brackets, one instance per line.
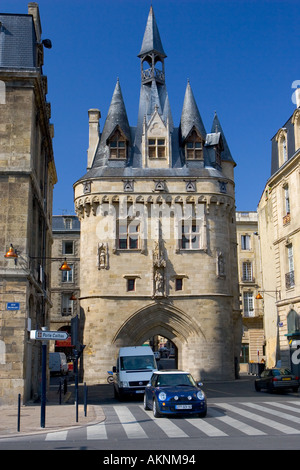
[13, 306]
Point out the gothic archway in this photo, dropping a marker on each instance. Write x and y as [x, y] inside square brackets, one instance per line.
[157, 318]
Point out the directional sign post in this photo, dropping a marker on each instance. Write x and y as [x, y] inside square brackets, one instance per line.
[45, 335]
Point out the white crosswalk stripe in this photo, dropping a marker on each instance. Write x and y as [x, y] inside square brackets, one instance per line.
[132, 428]
[260, 419]
[232, 418]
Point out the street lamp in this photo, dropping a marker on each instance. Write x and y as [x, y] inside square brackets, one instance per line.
[277, 292]
[14, 254]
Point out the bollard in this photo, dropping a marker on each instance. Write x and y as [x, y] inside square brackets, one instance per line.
[19, 411]
[85, 399]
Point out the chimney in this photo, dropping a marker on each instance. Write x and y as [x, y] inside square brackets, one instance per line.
[297, 95]
[33, 9]
[94, 130]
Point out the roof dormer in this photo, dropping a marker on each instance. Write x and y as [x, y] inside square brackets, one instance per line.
[156, 142]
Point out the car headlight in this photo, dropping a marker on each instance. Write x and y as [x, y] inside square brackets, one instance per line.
[200, 395]
[190, 397]
[162, 396]
[124, 384]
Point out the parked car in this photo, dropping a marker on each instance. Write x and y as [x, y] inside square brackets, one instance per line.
[174, 392]
[277, 379]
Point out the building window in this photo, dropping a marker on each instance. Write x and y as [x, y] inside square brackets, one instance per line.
[248, 304]
[247, 271]
[156, 148]
[130, 284]
[179, 283]
[68, 248]
[68, 223]
[287, 199]
[245, 242]
[244, 358]
[66, 305]
[194, 147]
[68, 276]
[128, 234]
[290, 275]
[117, 146]
[190, 239]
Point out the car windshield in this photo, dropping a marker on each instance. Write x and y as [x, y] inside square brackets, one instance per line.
[175, 380]
[137, 362]
[281, 372]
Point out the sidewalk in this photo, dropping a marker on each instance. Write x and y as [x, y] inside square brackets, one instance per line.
[57, 417]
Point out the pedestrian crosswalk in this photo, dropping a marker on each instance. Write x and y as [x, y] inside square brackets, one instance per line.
[223, 420]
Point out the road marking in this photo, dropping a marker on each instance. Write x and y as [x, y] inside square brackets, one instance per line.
[295, 419]
[166, 425]
[284, 407]
[260, 419]
[129, 423]
[97, 431]
[206, 427]
[245, 428]
[57, 436]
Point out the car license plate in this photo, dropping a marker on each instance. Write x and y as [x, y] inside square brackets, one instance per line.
[183, 407]
[286, 378]
[139, 391]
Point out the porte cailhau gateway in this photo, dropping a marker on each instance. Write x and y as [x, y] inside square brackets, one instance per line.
[144, 274]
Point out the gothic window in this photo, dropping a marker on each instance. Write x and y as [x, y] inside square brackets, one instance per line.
[156, 148]
[117, 146]
[190, 235]
[128, 234]
[194, 147]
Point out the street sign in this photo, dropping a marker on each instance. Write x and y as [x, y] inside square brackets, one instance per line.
[13, 306]
[48, 335]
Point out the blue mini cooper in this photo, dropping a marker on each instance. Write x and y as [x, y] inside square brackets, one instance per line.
[174, 392]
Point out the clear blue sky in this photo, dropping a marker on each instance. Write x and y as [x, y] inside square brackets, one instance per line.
[241, 58]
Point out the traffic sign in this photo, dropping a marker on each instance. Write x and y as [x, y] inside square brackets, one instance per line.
[48, 335]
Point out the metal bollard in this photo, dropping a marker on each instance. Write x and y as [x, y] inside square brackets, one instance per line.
[19, 412]
[85, 399]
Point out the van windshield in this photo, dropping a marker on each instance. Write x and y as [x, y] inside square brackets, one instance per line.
[137, 362]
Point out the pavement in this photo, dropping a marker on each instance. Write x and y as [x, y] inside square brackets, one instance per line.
[60, 414]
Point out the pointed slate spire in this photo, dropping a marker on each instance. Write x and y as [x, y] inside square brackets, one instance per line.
[116, 116]
[190, 115]
[216, 127]
[151, 41]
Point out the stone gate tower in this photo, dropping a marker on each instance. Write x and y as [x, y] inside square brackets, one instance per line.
[158, 235]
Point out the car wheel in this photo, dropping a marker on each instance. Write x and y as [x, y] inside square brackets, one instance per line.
[156, 412]
[146, 407]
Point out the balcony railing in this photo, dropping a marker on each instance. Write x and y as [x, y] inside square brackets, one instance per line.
[290, 279]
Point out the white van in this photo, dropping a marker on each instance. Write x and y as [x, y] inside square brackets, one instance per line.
[58, 363]
[135, 366]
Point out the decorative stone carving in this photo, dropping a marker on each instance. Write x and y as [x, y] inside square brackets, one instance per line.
[159, 265]
[102, 256]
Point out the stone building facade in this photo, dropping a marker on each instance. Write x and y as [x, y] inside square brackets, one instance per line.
[250, 279]
[27, 177]
[279, 231]
[65, 288]
[158, 231]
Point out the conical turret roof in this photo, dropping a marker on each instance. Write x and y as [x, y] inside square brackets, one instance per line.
[190, 115]
[151, 40]
[216, 127]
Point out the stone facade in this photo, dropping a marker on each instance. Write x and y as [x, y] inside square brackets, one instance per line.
[65, 285]
[27, 177]
[250, 281]
[158, 232]
[279, 228]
